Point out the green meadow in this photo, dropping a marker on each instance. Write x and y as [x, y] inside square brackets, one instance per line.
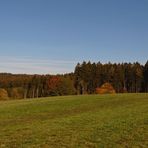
[88, 121]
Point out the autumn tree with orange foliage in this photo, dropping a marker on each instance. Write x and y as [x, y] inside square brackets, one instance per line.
[52, 84]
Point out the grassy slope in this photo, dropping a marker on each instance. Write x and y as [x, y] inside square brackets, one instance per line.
[76, 121]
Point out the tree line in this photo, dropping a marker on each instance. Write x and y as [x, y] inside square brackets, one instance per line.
[13, 86]
[124, 77]
[87, 76]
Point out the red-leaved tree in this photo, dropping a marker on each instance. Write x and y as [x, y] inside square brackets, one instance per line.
[52, 84]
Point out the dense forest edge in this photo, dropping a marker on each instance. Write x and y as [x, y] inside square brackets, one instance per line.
[86, 78]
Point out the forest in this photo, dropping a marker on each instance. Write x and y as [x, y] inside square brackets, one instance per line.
[87, 76]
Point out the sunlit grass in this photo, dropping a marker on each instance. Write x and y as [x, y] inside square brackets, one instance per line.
[75, 121]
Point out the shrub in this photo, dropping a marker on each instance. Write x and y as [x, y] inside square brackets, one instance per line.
[106, 88]
[16, 93]
[3, 94]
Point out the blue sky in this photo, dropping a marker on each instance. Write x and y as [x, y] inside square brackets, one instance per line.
[51, 36]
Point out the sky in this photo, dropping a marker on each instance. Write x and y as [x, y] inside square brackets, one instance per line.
[52, 36]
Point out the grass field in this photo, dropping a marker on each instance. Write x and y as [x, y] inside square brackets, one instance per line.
[75, 121]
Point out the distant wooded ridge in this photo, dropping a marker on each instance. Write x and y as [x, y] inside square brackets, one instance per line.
[87, 76]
